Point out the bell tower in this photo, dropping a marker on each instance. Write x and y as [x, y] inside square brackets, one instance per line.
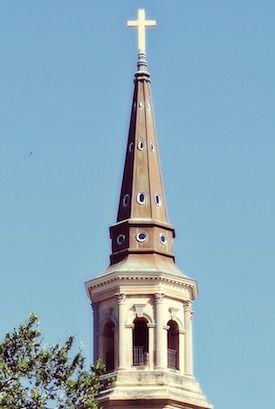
[142, 303]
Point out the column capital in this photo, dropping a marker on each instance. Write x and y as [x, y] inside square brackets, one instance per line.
[187, 305]
[159, 298]
[121, 298]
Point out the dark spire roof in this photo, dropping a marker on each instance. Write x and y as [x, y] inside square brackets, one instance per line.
[142, 225]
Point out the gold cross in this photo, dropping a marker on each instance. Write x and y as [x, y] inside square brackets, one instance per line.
[141, 25]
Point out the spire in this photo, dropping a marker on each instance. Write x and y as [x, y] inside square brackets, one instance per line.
[142, 194]
[142, 226]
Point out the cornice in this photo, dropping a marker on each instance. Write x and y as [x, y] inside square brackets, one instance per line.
[138, 277]
[133, 222]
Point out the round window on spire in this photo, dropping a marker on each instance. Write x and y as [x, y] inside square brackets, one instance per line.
[131, 147]
[141, 237]
[152, 147]
[120, 239]
[163, 238]
[157, 200]
[125, 201]
[141, 198]
[140, 104]
[141, 146]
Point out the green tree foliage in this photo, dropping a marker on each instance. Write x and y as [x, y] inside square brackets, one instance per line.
[36, 377]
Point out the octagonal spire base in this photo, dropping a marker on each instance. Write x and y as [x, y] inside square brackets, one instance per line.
[153, 390]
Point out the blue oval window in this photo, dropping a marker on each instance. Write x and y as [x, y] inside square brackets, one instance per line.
[120, 238]
[163, 238]
[158, 200]
[141, 237]
[125, 201]
[141, 198]
[141, 145]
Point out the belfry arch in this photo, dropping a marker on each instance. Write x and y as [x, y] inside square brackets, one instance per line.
[140, 342]
[173, 345]
[108, 347]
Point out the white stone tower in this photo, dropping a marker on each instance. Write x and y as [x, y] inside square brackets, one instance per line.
[142, 303]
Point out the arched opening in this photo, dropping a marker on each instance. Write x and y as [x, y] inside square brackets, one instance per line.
[108, 346]
[173, 345]
[140, 342]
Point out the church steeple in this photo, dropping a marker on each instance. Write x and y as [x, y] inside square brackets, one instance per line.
[142, 303]
[142, 223]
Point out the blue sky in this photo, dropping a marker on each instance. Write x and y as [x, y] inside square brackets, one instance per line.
[66, 86]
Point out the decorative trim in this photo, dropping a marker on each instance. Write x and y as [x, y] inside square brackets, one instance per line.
[130, 326]
[139, 308]
[173, 312]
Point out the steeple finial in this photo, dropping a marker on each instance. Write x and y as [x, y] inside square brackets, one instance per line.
[141, 24]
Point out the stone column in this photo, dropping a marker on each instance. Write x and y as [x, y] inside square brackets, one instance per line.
[116, 347]
[95, 329]
[151, 345]
[182, 351]
[188, 338]
[161, 351]
[128, 345]
[121, 331]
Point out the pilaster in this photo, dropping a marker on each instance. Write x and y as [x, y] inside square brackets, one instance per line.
[160, 341]
[188, 338]
[94, 306]
[121, 298]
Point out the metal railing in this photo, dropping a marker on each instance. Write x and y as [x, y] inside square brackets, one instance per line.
[140, 357]
[172, 358]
